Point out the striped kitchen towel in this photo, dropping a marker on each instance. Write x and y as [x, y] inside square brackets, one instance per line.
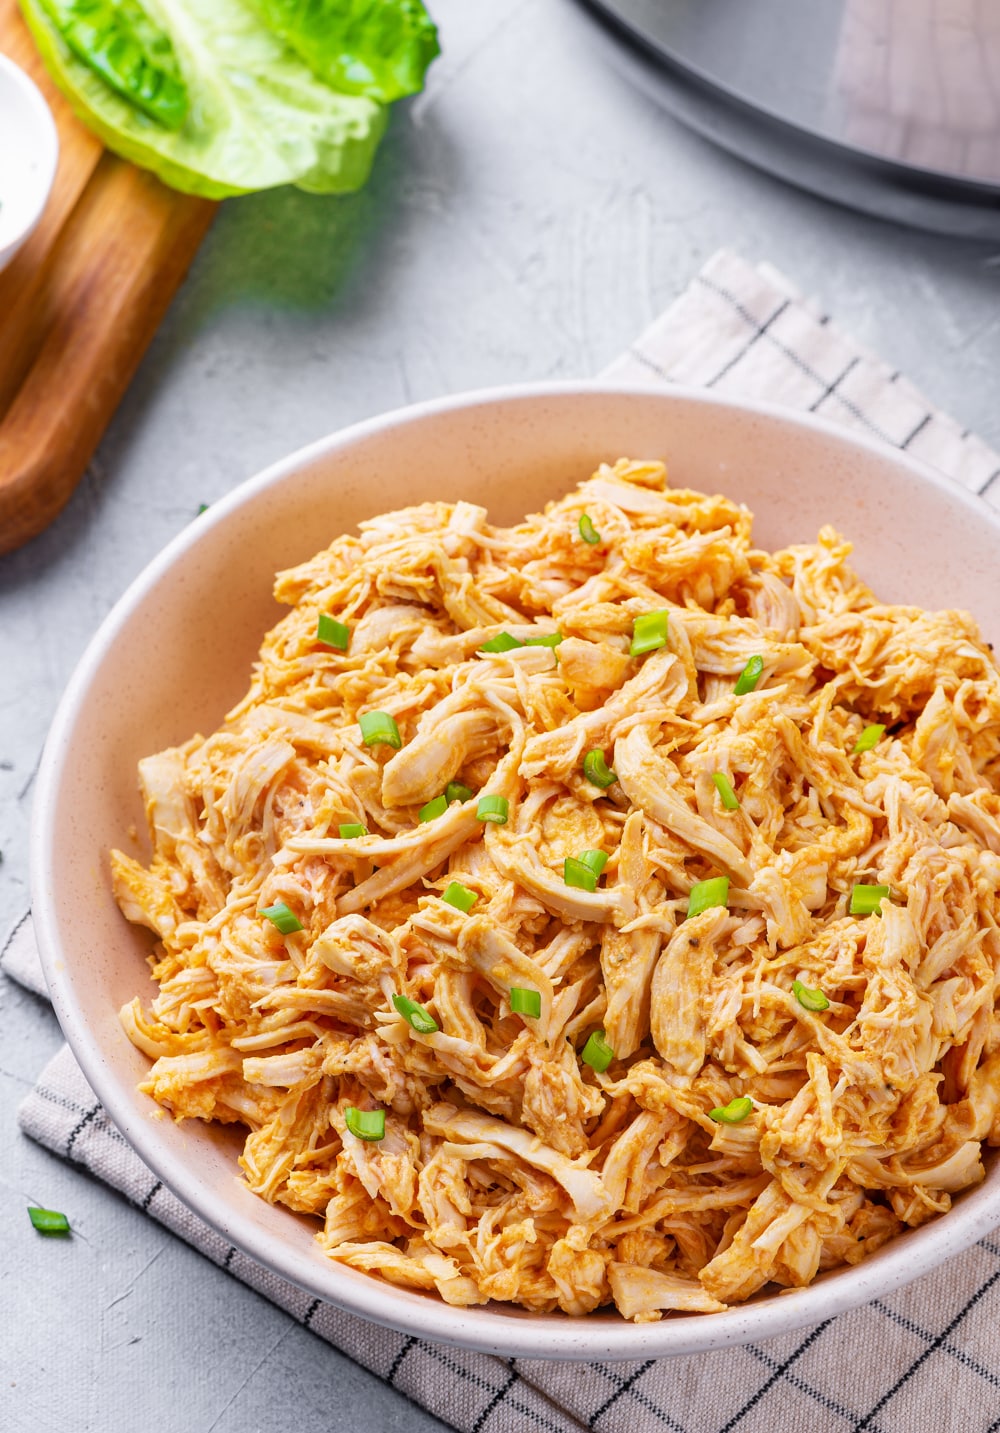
[924, 1357]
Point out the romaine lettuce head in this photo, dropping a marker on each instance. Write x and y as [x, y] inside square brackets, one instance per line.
[257, 116]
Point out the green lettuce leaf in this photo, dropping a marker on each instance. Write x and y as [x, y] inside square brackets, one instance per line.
[257, 115]
[379, 48]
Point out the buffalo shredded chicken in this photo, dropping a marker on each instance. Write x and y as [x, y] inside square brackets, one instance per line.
[732, 1059]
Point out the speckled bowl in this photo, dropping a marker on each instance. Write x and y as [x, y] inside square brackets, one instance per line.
[175, 653]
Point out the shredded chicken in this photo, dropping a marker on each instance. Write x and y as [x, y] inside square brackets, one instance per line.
[862, 1051]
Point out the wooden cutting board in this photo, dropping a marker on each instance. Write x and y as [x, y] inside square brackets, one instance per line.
[78, 305]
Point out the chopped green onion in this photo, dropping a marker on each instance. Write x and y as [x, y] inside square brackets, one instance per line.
[202, 507]
[749, 677]
[433, 809]
[502, 642]
[415, 1015]
[493, 808]
[368, 1125]
[734, 1113]
[865, 900]
[48, 1221]
[597, 1053]
[588, 531]
[332, 633]
[455, 791]
[459, 896]
[551, 639]
[706, 894]
[649, 632]
[351, 829]
[871, 736]
[809, 999]
[577, 873]
[597, 771]
[525, 1002]
[724, 787]
[596, 860]
[282, 918]
[379, 729]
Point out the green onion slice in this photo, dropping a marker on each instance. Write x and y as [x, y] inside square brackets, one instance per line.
[871, 736]
[550, 639]
[433, 809]
[502, 642]
[525, 1002]
[597, 1053]
[865, 900]
[459, 896]
[649, 632]
[202, 507]
[351, 829]
[332, 633]
[455, 791]
[597, 771]
[415, 1015]
[588, 531]
[48, 1221]
[809, 999]
[749, 677]
[577, 873]
[282, 918]
[493, 808]
[596, 860]
[724, 787]
[706, 894]
[379, 729]
[734, 1113]
[368, 1125]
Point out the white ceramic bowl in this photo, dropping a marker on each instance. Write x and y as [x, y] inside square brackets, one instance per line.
[29, 153]
[175, 654]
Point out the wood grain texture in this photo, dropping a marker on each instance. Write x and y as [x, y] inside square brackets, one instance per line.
[79, 305]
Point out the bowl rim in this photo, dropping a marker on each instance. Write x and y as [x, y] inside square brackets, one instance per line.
[511, 1334]
[44, 141]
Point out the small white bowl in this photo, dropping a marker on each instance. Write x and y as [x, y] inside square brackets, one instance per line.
[175, 655]
[29, 153]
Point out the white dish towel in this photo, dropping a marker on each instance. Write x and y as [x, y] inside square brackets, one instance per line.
[922, 1358]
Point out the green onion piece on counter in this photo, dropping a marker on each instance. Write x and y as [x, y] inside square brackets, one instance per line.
[706, 894]
[649, 632]
[332, 633]
[724, 787]
[202, 507]
[865, 900]
[282, 918]
[351, 829]
[597, 1053]
[577, 873]
[459, 896]
[525, 1002]
[734, 1113]
[749, 677]
[502, 642]
[493, 808]
[588, 531]
[596, 860]
[455, 791]
[379, 729]
[433, 809]
[48, 1221]
[415, 1015]
[368, 1125]
[871, 736]
[809, 999]
[597, 771]
[551, 639]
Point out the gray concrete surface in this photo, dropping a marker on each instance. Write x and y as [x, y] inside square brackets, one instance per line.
[527, 216]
